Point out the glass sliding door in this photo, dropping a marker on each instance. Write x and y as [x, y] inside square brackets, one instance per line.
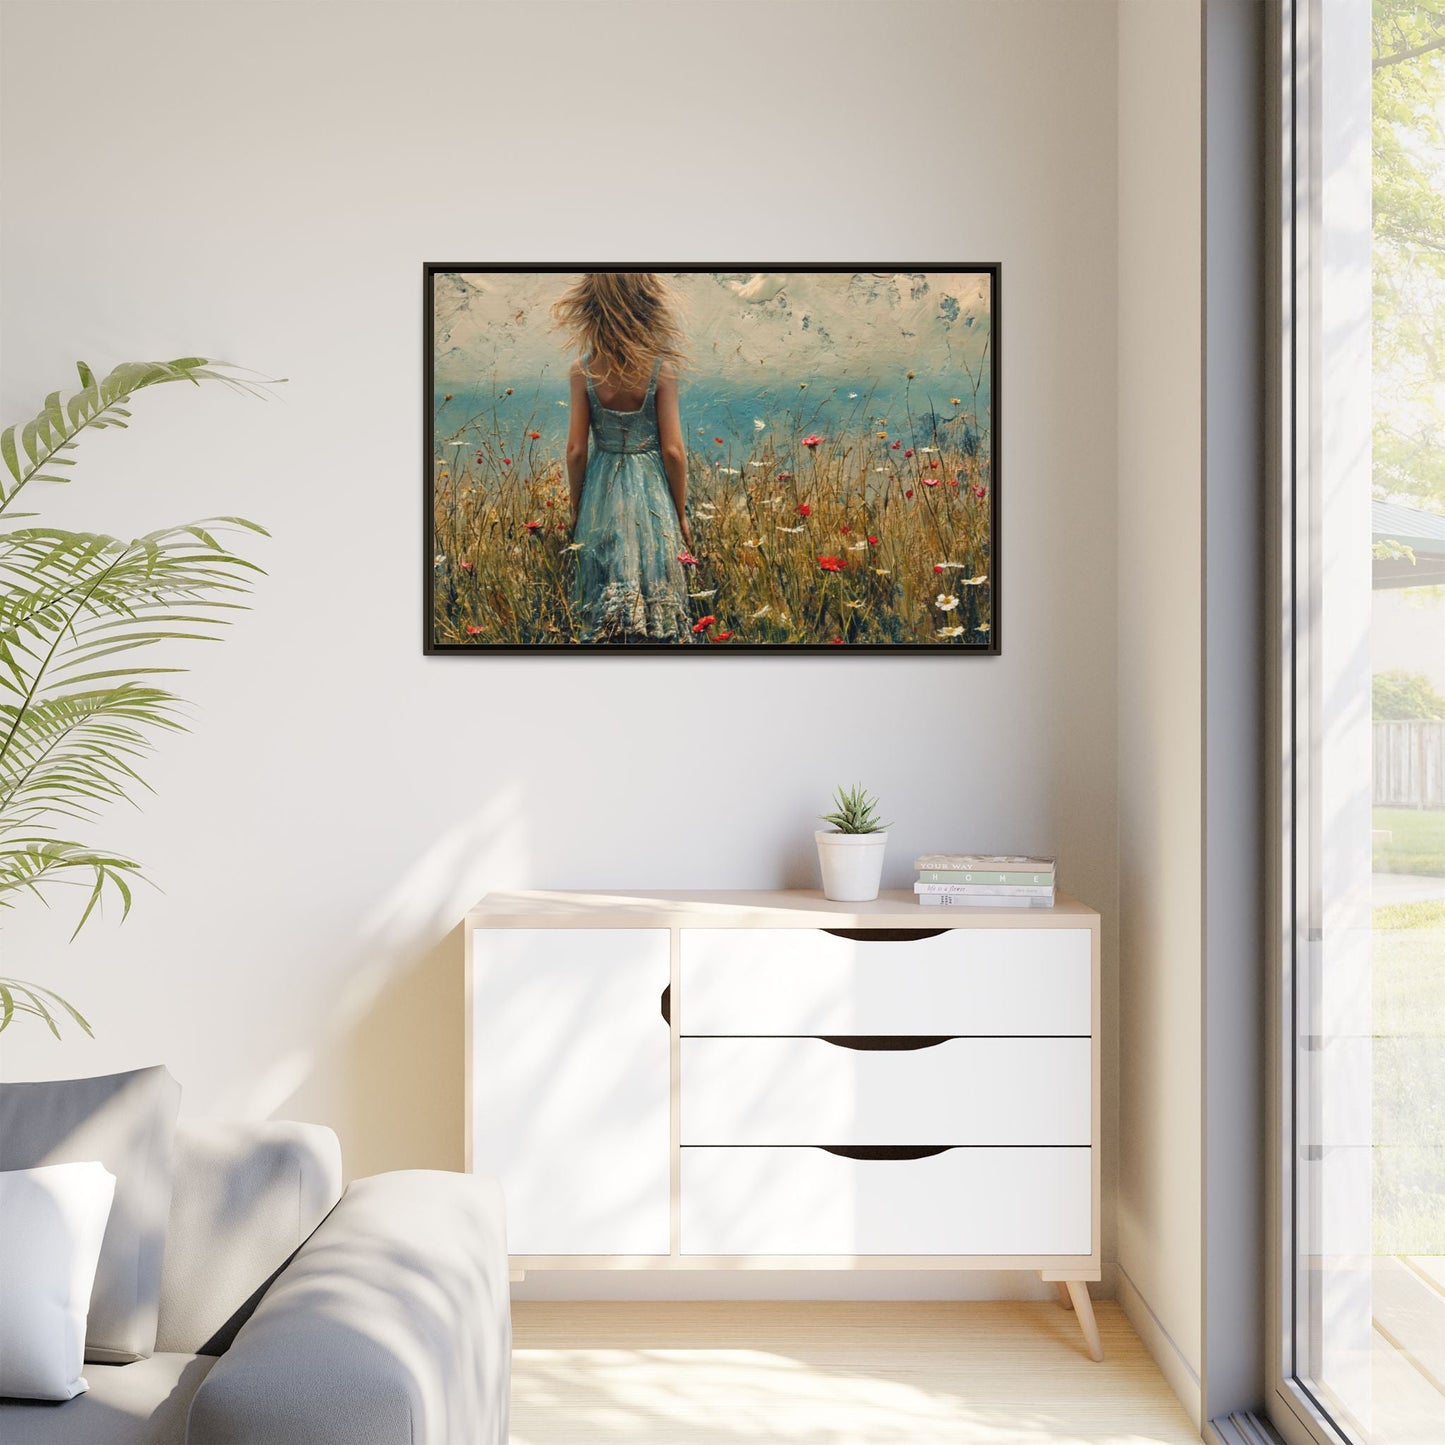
[1361, 1335]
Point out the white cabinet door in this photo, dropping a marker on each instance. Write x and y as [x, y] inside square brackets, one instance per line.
[570, 1092]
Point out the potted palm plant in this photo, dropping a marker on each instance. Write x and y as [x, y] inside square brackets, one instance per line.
[850, 853]
[80, 696]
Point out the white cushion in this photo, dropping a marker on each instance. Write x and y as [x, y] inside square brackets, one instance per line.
[52, 1220]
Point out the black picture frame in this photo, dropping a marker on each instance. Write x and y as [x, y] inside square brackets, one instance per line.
[432, 647]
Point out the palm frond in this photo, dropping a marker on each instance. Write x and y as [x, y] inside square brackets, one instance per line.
[29, 864]
[28, 450]
[81, 614]
[19, 997]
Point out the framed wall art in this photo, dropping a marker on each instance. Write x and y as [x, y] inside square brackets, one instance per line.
[796, 459]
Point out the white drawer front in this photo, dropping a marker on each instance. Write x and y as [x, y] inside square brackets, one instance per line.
[961, 981]
[962, 1091]
[809, 1202]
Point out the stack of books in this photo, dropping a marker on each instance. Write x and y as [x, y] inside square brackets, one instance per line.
[985, 880]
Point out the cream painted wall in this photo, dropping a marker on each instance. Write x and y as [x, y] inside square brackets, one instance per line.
[1160, 678]
[262, 182]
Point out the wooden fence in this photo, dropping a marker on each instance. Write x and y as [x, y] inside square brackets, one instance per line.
[1410, 764]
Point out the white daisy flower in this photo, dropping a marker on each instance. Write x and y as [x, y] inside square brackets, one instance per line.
[982, 627]
[755, 464]
[928, 449]
[763, 610]
[700, 595]
[945, 602]
[759, 424]
[974, 581]
[852, 396]
[857, 546]
[882, 572]
[440, 560]
[950, 632]
[573, 547]
[790, 529]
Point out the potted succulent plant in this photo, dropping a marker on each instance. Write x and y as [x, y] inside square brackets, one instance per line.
[850, 852]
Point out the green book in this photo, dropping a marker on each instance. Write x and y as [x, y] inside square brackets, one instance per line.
[1006, 878]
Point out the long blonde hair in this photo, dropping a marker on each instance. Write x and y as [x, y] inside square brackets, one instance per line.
[620, 322]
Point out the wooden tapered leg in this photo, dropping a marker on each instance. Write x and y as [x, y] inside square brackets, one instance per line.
[1084, 1309]
[1063, 1290]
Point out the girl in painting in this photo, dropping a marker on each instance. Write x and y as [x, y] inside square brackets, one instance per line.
[626, 465]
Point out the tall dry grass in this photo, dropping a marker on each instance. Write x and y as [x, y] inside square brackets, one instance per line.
[872, 535]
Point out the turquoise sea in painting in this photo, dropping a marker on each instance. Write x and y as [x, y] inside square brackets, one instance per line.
[927, 412]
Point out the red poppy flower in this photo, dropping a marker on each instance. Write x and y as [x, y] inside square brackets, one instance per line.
[895, 447]
[704, 623]
[929, 481]
[909, 492]
[845, 530]
[532, 526]
[535, 435]
[832, 564]
[873, 541]
[466, 566]
[909, 452]
[687, 559]
[718, 440]
[561, 526]
[549, 504]
[933, 461]
[447, 397]
[506, 461]
[979, 492]
[480, 458]
[836, 642]
[720, 637]
[953, 484]
[473, 631]
[812, 440]
[785, 476]
[937, 567]
[804, 510]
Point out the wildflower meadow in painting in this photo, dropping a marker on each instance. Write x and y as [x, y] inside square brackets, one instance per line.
[773, 459]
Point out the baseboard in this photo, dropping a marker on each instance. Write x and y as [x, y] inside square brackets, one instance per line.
[795, 1285]
[1175, 1368]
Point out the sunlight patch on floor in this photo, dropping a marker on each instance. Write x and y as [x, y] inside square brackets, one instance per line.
[832, 1374]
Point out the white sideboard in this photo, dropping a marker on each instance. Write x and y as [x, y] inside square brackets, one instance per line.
[720, 1080]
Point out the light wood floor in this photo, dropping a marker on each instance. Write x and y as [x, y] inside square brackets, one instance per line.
[832, 1374]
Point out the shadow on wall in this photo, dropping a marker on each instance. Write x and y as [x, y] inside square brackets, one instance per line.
[388, 1072]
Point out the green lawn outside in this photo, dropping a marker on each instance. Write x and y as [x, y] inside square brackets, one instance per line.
[1417, 841]
[1408, 957]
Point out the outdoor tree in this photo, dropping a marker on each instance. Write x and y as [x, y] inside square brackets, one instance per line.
[1409, 250]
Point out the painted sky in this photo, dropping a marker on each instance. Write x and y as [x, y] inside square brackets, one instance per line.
[744, 327]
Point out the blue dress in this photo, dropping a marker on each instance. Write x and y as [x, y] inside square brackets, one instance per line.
[631, 586]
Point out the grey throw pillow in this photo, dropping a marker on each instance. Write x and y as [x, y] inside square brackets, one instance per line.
[128, 1123]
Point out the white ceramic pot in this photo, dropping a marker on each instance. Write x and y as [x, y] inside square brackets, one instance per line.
[852, 864]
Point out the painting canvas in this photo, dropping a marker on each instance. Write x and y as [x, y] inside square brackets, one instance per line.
[707, 459]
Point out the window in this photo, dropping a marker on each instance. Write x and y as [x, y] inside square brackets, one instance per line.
[1362, 724]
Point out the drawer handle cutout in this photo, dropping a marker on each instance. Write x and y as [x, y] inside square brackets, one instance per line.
[667, 1005]
[885, 1151]
[892, 1043]
[886, 935]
